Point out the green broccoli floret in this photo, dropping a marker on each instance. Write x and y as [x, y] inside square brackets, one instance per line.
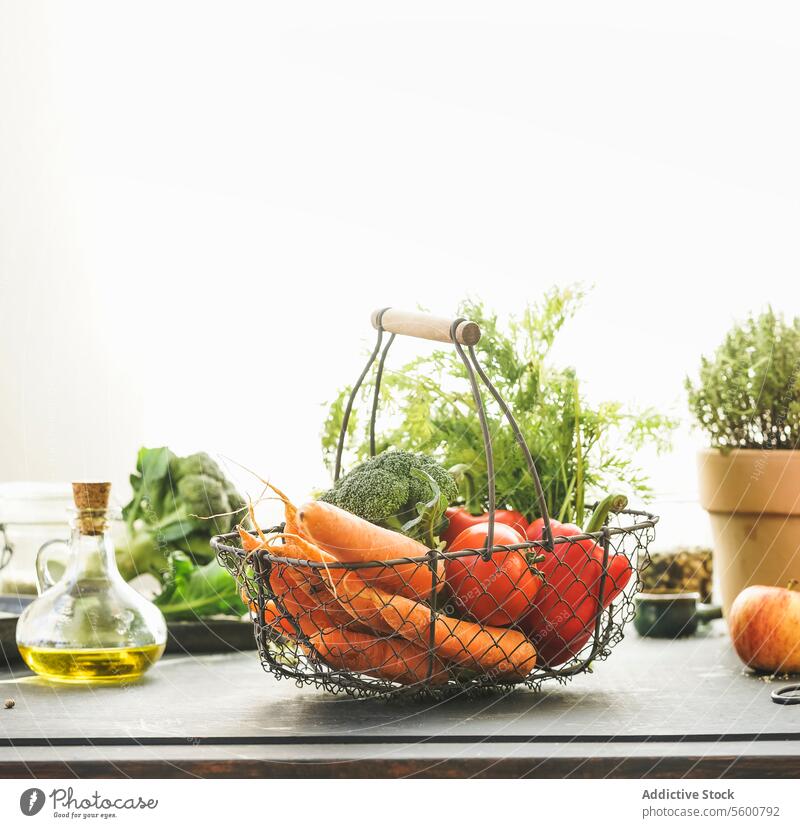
[178, 503]
[390, 490]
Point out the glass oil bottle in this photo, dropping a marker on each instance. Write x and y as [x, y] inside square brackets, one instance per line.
[90, 625]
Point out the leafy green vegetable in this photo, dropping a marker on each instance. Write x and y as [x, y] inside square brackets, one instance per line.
[748, 393]
[581, 450]
[192, 591]
[178, 503]
[394, 490]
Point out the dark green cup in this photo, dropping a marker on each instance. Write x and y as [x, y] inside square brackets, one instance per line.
[671, 615]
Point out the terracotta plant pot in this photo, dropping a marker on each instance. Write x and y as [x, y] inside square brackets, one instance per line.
[753, 499]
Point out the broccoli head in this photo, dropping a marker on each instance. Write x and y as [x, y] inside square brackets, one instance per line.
[392, 488]
[178, 503]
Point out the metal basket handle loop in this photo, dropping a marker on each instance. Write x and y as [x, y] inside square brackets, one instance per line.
[460, 332]
[351, 399]
[487, 439]
[547, 533]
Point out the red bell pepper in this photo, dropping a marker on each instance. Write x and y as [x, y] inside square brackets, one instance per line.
[565, 610]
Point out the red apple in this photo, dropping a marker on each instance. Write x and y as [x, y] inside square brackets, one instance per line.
[764, 622]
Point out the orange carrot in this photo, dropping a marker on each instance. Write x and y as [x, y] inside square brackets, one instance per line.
[351, 539]
[349, 597]
[275, 618]
[507, 653]
[253, 544]
[325, 611]
[386, 597]
[303, 593]
[277, 581]
[310, 621]
[469, 645]
[393, 659]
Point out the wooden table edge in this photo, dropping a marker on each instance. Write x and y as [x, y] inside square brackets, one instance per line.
[712, 760]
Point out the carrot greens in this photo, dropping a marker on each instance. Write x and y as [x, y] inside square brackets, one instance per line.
[582, 449]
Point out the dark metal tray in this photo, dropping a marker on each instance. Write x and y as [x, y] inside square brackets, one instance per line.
[212, 635]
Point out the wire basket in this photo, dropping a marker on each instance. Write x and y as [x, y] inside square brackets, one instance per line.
[391, 627]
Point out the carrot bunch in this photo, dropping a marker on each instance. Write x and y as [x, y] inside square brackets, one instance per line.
[374, 619]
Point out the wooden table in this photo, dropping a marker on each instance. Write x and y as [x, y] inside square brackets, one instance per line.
[655, 708]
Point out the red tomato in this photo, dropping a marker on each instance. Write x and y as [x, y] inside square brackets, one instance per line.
[513, 519]
[460, 519]
[559, 530]
[499, 591]
[536, 528]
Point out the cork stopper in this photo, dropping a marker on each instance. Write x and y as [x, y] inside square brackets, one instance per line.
[91, 501]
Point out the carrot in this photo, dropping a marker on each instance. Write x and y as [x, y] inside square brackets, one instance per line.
[273, 616]
[304, 594]
[366, 594]
[472, 646]
[311, 621]
[351, 539]
[277, 581]
[253, 544]
[469, 645]
[250, 543]
[276, 619]
[345, 584]
[325, 611]
[340, 641]
[393, 659]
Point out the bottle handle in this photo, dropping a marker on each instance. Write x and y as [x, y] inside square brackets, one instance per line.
[6, 550]
[44, 577]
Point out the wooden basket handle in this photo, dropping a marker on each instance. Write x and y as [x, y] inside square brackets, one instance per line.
[425, 326]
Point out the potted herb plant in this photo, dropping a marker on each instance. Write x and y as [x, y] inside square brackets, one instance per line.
[747, 398]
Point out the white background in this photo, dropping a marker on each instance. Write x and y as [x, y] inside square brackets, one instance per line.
[201, 203]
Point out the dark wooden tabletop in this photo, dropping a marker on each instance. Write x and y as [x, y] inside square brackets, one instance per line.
[655, 708]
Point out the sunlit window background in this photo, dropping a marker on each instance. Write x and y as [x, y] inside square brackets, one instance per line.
[200, 204]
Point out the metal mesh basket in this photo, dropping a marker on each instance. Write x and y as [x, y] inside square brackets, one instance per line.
[394, 627]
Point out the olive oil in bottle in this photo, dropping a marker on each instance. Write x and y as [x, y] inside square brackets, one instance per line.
[90, 626]
[81, 665]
